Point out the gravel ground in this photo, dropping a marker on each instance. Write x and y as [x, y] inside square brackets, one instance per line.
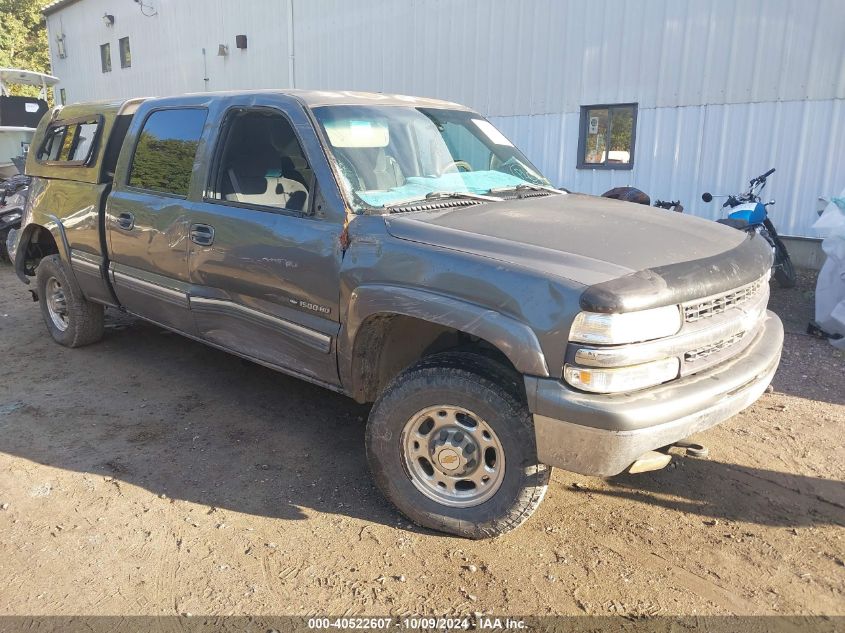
[152, 475]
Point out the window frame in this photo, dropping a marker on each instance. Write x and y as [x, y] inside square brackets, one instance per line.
[66, 123]
[105, 48]
[227, 120]
[137, 139]
[582, 135]
[125, 60]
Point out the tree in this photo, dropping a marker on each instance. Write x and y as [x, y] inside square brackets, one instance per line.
[163, 164]
[23, 39]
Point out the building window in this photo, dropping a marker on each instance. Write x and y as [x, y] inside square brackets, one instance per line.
[62, 96]
[105, 57]
[125, 53]
[166, 150]
[606, 139]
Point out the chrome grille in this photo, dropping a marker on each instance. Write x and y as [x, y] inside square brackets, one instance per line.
[716, 304]
[714, 348]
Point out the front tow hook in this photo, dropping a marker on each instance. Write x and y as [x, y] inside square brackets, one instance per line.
[656, 460]
[691, 449]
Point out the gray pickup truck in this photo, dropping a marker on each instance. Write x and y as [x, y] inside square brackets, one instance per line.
[403, 252]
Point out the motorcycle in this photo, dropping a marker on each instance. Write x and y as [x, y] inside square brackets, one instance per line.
[749, 214]
[670, 205]
[632, 194]
[13, 194]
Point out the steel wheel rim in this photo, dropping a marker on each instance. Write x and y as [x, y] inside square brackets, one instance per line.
[453, 456]
[56, 303]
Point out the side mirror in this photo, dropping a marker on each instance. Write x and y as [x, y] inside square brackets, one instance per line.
[707, 197]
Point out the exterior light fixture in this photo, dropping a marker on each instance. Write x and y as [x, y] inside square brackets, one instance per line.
[108, 19]
[222, 50]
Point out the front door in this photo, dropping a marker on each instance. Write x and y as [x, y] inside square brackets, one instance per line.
[264, 254]
[147, 222]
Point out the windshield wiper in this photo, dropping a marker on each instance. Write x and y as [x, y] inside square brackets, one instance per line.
[435, 195]
[527, 186]
[441, 195]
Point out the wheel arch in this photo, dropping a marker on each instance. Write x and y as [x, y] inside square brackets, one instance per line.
[36, 242]
[388, 328]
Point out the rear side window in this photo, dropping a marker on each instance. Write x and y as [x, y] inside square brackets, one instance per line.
[166, 150]
[70, 143]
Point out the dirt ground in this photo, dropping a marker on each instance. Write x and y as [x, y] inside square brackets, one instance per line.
[152, 475]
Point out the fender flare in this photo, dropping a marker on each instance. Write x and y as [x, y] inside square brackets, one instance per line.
[26, 235]
[513, 338]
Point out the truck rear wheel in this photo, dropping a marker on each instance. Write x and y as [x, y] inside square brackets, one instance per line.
[71, 320]
[451, 444]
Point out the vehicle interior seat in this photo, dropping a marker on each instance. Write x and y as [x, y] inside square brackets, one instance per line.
[294, 164]
[258, 177]
[257, 171]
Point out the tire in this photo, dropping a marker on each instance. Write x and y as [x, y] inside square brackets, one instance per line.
[784, 269]
[486, 394]
[82, 320]
[4, 252]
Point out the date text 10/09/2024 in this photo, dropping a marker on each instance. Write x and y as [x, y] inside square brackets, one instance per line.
[417, 623]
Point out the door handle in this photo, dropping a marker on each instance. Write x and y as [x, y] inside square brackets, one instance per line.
[126, 221]
[202, 234]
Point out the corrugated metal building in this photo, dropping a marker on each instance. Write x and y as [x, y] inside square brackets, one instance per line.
[724, 89]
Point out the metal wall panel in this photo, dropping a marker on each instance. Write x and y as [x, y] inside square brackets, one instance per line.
[682, 152]
[167, 55]
[726, 88]
[544, 56]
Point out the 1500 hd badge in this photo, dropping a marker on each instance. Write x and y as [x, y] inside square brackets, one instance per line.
[307, 305]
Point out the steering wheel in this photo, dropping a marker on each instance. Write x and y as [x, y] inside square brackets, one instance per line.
[457, 164]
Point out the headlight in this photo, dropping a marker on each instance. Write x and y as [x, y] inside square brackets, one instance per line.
[627, 327]
[621, 379]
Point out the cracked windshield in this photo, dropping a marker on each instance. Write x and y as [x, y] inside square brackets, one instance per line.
[390, 156]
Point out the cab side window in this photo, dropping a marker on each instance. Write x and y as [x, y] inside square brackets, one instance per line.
[166, 150]
[261, 163]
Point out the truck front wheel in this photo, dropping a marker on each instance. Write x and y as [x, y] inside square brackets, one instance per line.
[71, 319]
[451, 444]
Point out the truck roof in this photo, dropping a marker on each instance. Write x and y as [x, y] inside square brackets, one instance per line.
[89, 108]
[310, 98]
[314, 98]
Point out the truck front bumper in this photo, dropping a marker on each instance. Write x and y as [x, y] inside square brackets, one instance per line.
[602, 435]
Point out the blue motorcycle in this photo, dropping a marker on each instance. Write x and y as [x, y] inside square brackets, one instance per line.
[749, 214]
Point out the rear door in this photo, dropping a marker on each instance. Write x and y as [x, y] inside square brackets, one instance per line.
[147, 220]
[265, 242]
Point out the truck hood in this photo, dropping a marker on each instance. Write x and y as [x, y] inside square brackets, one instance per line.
[584, 238]
[591, 240]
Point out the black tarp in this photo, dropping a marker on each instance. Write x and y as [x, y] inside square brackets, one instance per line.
[21, 111]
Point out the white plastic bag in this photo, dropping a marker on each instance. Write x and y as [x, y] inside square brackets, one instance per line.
[830, 287]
